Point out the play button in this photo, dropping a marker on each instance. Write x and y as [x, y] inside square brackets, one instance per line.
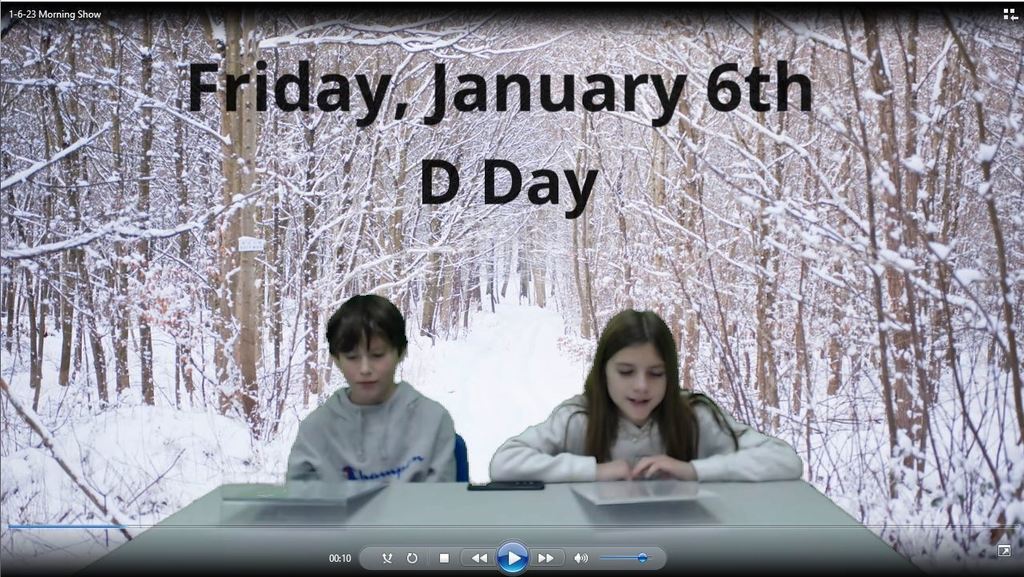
[513, 558]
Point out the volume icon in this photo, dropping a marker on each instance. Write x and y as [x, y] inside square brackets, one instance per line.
[581, 558]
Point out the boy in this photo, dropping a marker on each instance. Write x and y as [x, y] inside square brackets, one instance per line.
[375, 429]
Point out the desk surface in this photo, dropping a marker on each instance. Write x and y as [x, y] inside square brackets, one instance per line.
[770, 527]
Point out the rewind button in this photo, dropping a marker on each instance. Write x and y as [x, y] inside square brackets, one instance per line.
[477, 557]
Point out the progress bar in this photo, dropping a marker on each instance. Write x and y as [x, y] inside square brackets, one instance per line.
[67, 526]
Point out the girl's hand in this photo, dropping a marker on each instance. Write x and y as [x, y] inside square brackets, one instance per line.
[663, 467]
[613, 471]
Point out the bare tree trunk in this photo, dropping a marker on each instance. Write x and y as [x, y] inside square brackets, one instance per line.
[237, 298]
[78, 347]
[241, 35]
[455, 300]
[10, 304]
[692, 349]
[99, 357]
[507, 269]
[880, 318]
[802, 382]
[79, 163]
[310, 266]
[68, 283]
[222, 297]
[922, 422]
[10, 290]
[803, 385]
[448, 308]
[37, 331]
[658, 174]
[581, 273]
[539, 290]
[396, 221]
[627, 265]
[145, 174]
[182, 350]
[490, 270]
[431, 280]
[908, 416]
[835, 348]
[364, 213]
[937, 208]
[273, 273]
[578, 270]
[474, 288]
[430, 298]
[274, 280]
[688, 337]
[767, 259]
[119, 278]
[802, 371]
[523, 269]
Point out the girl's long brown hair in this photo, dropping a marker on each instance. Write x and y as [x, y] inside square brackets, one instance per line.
[675, 415]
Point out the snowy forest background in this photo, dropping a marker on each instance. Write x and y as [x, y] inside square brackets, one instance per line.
[847, 279]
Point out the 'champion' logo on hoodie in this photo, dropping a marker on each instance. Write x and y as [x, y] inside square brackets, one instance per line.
[358, 474]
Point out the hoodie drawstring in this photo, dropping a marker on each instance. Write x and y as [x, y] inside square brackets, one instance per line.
[362, 435]
[384, 436]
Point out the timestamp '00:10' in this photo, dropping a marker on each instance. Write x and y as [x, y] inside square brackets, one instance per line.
[340, 558]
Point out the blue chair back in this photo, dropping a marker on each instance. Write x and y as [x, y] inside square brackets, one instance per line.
[461, 460]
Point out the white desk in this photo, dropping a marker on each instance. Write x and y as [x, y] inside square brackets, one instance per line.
[776, 527]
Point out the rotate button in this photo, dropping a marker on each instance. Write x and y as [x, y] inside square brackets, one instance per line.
[513, 558]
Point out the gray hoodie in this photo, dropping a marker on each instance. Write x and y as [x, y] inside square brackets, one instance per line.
[554, 451]
[406, 438]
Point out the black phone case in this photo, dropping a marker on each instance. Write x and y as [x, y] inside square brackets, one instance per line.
[507, 486]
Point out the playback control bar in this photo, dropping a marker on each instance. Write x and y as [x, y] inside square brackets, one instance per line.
[512, 558]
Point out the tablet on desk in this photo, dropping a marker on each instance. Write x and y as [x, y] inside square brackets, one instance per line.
[301, 492]
[626, 492]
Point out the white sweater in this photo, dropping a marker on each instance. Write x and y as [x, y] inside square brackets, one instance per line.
[553, 451]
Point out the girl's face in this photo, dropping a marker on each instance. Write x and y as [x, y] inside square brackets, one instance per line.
[636, 381]
[370, 371]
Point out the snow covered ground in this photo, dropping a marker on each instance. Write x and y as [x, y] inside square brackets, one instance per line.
[506, 374]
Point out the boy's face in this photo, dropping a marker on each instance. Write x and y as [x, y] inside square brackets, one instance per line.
[370, 371]
[636, 381]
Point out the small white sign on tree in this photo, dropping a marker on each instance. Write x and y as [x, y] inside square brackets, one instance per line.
[250, 244]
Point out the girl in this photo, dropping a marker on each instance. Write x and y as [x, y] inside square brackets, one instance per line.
[633, 421]
[375, 428]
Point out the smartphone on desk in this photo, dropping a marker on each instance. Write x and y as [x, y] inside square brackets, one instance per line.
[507, 486]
